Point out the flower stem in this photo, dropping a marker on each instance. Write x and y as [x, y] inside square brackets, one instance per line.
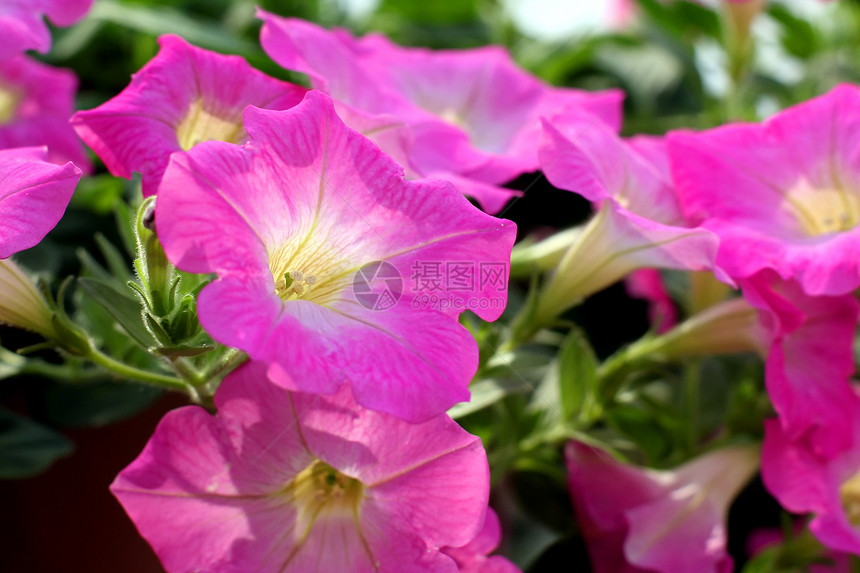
[231, 360]
[132, 373]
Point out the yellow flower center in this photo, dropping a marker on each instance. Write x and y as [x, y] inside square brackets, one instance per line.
[824, 211]
[294, 285]
[849, 492]
[9, 100]
[454, 117]
[308, 270]
[201, 125]
[320, 491]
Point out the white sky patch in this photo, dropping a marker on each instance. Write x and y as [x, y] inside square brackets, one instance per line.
[358, 9]
[771, 58]
[711, 61]
[809, 9]
[553, 20]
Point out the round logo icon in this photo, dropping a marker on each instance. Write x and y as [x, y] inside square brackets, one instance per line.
[377, 285]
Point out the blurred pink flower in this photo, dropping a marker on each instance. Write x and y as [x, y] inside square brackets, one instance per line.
[638, 223]
[183, 96]
[827, 486]
[33, 197]
[22, 26]
[314, 233]
[472, 116]
[782, 195]
[36, 101]
[638, 520]
[292, 482]
[810, 359]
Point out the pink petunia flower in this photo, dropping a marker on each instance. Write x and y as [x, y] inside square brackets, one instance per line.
[183, 96]
[804, 481]
[331, 267]
[810, 358]
[638, 223]
[292, 482]
[782, 195]
[33, 197]
[637, 520]
[22, 26]
[474, 556]
[473, 115]
[36, 101]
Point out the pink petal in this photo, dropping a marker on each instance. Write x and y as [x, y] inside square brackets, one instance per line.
[43, 101]
[665, 521]
[332, 197]
[760, 188]
[33, 197]
[138, 129]
[472, 557]
[210, 493]
[805, 482]
[810, 362]
[22, 27]
[472, 113]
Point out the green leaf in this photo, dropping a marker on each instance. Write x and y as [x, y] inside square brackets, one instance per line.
[765, 562]
[97, 404]
[487, 392]
[156, 328]
[682, 20]
[640, 426]
[99, 193]
[797, 35]
[91, 267]
[425, 13]
[577, 377]
[117, 273]
[28, 448]
[124, 309]
[529, 540]
[117, 263]
[183, 350]
[156, 20]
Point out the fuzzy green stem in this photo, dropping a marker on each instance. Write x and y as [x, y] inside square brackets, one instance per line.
[132, 373]
[231, 360]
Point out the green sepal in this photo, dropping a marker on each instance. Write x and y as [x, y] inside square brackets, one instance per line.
[124, 309]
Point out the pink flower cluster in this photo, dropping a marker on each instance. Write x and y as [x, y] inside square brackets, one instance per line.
[784, 198]
[781, 200]
[325, 215]
[331, 449]
[37, 144]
